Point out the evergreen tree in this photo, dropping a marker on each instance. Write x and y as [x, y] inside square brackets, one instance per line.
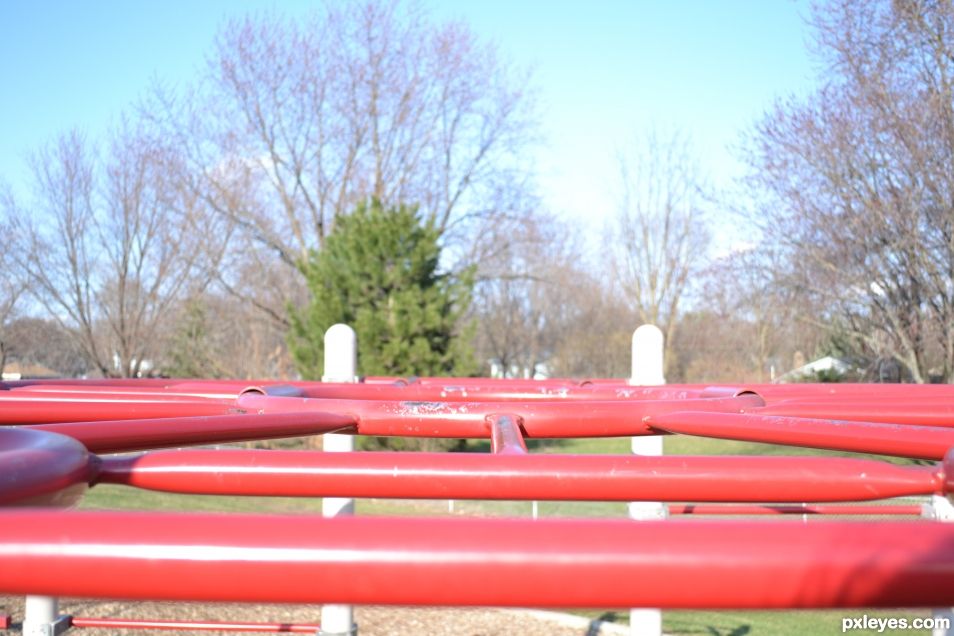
[378, 273]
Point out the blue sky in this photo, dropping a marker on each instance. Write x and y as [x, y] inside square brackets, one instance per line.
[606, 72]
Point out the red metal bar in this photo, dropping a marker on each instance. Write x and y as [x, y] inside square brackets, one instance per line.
[220, 391]
[542, 418]
[214, 626]
[494, 562]
[18, 407]
[520, 477]
[932, 405]
[505, 435]
[520, 383]
[498, 382]
[133, 435]
[452, 391]
[814, 509]
[468, 419]
[41, 469]
[436, 389]
[95, 383]
[771, 392]
[929, 411]
[920, 442]
[812, 391]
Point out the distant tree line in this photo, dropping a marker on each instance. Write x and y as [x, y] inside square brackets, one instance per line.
[370, 165]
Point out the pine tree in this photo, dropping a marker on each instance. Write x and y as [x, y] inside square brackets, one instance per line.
[378, 272]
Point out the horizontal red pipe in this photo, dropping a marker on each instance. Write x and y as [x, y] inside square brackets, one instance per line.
[531, 384]
[915, 404]
[143, 434]
[103, 383]
[520, 477]
[18, 407]
[907, 410]
[41, 469]
[431, 389]
[222, 393]
[376, 417]
[899, 440]
[452, 391]
[773, 392]
[446, 389]
[815, 509]
[489, 562]
[214, 626]
[776, 392]
[541, 419]
[489, 382]
[449, 391]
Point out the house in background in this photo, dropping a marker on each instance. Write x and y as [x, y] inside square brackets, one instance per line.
[827, 369]
[17, 371]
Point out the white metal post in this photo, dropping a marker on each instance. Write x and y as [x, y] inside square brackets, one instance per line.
[647, 370]
[41, 617]
[341, 363]
[941, 509]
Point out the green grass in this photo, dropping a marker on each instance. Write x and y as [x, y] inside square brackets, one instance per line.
[709, 623]
[109, 497]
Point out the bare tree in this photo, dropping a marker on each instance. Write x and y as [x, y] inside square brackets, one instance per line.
[540, 310]
[218, 335]
[595, 339]
[10, 292]
[524, 295]
[658, 237]
[749, 327]
[857, 181]
[44, 345]
[296, 122]
[109, 246]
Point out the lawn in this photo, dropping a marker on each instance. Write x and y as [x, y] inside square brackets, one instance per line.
[712, 623]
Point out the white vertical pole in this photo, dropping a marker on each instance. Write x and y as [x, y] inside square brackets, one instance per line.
[39, 615]
[341, 363]
[941, 509]
[647, 370]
